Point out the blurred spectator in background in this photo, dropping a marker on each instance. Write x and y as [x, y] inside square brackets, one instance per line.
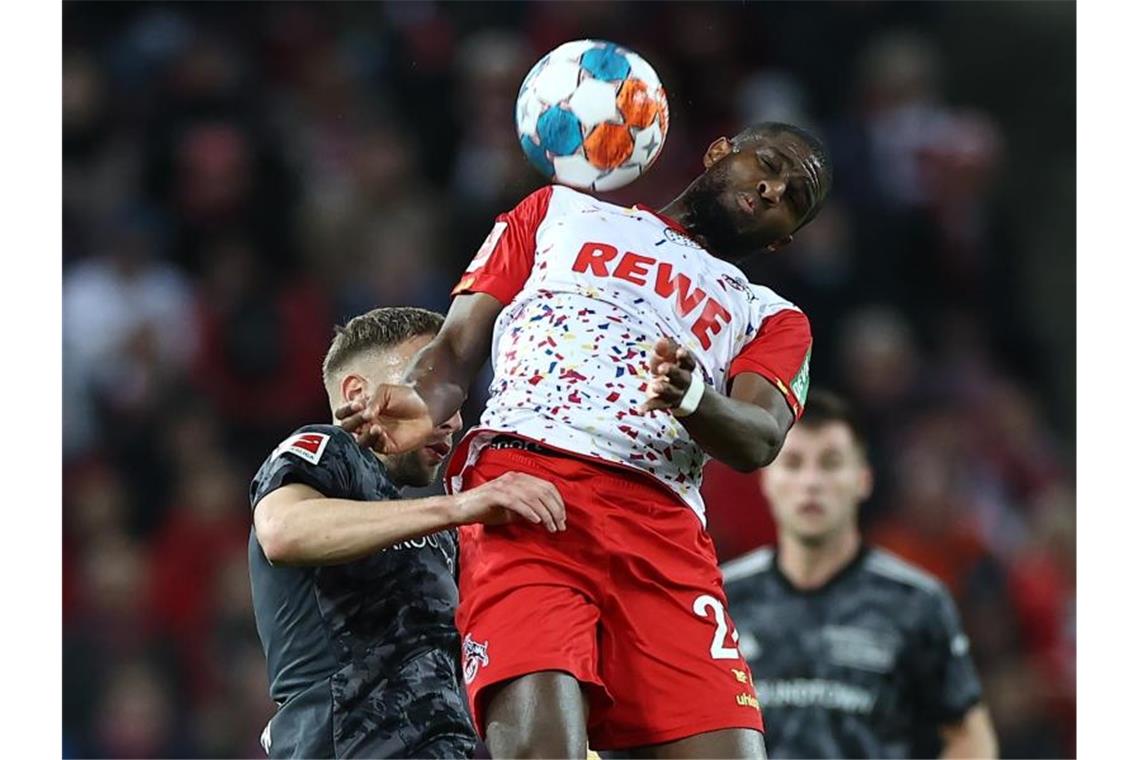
[128, 327]
[237, 177]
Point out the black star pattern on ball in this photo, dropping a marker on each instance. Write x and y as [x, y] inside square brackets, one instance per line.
[650, 147]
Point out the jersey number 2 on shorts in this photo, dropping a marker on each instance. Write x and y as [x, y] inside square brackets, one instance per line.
[718, 651]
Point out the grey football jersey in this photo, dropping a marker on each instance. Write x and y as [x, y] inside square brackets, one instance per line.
[362, 656]
[869, 665]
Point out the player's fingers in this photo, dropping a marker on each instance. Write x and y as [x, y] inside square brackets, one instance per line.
[366, 438]
[521, 507]
[542, 497]
[657, 387]
[680, 378]
[686, 360]
[347, 410]
[352, 422]
[663, 349]
[552, 500]
[386, 443]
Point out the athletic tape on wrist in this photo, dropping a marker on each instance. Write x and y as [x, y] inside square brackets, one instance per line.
[690, 400]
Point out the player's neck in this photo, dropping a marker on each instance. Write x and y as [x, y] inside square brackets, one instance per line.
[811, 566]
[681, 211]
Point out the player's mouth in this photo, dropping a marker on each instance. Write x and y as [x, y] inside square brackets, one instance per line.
[438, 451]
[811, 509]
[746, 203]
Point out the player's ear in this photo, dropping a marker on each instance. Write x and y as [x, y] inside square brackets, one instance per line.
[354, 387]
[779, 244]
[720, 148]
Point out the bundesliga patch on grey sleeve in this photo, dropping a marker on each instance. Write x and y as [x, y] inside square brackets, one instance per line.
[307, 446]
[319, 456]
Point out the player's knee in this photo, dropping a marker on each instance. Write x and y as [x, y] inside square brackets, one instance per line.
[535, 740]
[542, 715]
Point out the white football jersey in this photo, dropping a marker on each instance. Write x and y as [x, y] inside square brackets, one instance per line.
[588, 287]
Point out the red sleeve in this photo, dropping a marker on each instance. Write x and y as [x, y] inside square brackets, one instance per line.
[503, 263]
[780, 353]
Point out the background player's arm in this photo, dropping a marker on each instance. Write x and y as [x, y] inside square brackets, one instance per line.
[401, 417]
[972, 736]
[745, 429]
[298, 525]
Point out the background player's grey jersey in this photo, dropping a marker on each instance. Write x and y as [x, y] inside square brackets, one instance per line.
[868, 665]
[362, 656]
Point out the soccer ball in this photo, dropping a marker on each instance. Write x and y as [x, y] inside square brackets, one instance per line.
[592, 115]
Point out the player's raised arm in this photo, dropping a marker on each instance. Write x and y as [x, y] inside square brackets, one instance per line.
[399, 417]
[442, 372]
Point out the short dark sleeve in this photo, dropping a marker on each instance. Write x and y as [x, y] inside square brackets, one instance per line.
[948, 684]
[319, 456]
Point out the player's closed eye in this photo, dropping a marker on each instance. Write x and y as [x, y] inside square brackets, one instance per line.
[768, 161]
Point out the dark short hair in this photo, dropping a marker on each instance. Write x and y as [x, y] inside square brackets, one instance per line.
[824, 407]
[815, 145]
[377, 330]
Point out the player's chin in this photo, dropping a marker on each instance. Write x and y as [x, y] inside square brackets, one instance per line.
[428, 464]
[812, 530]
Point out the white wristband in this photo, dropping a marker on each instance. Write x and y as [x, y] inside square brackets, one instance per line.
[691, 398]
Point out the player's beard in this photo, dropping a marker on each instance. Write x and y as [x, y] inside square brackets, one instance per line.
[713, 219]
[410, 469]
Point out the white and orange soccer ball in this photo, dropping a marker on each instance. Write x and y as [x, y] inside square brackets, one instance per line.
[592, 115]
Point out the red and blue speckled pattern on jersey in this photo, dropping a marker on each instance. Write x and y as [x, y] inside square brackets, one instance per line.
[592, 293]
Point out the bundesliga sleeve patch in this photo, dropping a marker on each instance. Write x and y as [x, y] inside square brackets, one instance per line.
[307, 446]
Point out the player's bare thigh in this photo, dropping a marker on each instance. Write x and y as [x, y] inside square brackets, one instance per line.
[727, 743]
[537, 715]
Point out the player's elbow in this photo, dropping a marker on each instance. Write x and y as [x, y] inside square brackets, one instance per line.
[278, 541]
[743, 462]
[759, 452]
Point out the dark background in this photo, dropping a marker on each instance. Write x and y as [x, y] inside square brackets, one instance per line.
[238, 177]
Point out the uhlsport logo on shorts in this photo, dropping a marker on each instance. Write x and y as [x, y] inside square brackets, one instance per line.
[474, 655]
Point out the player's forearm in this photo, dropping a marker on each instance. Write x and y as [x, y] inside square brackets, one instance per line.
[333, 531]
[742, 435]
[973, 737]
[441, 374]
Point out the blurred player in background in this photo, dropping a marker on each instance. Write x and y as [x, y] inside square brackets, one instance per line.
[855, 652]
[627, 349]
[354, 591]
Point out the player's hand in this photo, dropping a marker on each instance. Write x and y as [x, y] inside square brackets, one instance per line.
[671, 372]
[509, 497]
[394, 420]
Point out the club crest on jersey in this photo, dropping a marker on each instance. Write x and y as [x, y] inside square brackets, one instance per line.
[474, 655]
[307, 446]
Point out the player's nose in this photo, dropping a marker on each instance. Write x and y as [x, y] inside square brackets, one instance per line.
[772, 190]
[455, 422]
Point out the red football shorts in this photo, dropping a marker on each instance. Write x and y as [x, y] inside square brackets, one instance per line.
[628, 600]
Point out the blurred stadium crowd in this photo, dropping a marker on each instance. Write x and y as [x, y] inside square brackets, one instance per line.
[237, 177]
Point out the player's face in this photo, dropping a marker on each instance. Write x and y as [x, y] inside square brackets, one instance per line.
[816, 483]
[419, 467]
[754, 195]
